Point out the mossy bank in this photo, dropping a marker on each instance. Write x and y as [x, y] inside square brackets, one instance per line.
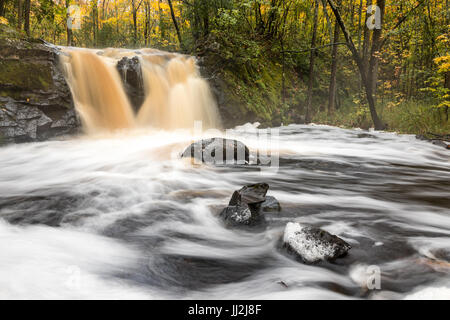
[35, 101]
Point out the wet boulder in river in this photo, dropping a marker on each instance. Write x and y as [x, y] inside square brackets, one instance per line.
[244, 208]
[251, 194]
[312, 244]
[218, 151]
[270, 205]
[240, 215]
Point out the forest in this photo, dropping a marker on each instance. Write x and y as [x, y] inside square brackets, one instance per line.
[352, 63]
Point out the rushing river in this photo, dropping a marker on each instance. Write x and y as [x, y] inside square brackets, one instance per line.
[120, 216]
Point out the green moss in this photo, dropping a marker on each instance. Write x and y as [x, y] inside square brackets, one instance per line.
[257, 87]
[12, 93]
[26, 75]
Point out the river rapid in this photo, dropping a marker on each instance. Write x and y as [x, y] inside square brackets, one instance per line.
[121, 216]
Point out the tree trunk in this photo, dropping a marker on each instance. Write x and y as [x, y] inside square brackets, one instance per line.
[311, 61]
[19, 14]
[334, 62]
[283, 73]
[376, 121]
[447, 85]
[162, 32]
[359, 24]
[134, 9]
[69, 31]
[366, 41]
[27, 8]
[372, 73]
[104, 9]
[196, 23]
[147, 23]
[95, 22]
[117, 16]
[2, 8]
[175, 23]
[205, 12]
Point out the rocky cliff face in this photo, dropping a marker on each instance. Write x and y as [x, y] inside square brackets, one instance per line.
[231, 108]
[35, 101]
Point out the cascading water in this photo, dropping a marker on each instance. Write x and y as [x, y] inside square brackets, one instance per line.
[176, 95]
[97, 91]
[116, 216]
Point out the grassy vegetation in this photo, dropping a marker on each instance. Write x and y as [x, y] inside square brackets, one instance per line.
[411, 117]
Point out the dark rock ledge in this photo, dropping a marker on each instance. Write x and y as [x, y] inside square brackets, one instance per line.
[35, 100]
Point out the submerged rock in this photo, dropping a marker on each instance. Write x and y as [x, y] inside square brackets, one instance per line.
[270, 205]
[313, 244]
[244, 208]
[218, 151]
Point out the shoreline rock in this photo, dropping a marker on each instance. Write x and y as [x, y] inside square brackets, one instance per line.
[271, 205]
[437, 140]
[35, 100]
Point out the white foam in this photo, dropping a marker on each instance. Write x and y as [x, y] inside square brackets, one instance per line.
[431, 293]
[129, 174]
[48, 263]
[307, 248]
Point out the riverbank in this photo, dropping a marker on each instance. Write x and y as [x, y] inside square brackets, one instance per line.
[252, 86]
[408, 117]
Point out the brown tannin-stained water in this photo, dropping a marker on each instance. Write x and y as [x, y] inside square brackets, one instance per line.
[176, 95]
[97, 90]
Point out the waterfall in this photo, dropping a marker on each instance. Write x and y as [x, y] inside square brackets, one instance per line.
[175, 94]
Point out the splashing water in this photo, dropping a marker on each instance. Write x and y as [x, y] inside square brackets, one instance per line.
[97, 92]
[176, 95]
[118, 217]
